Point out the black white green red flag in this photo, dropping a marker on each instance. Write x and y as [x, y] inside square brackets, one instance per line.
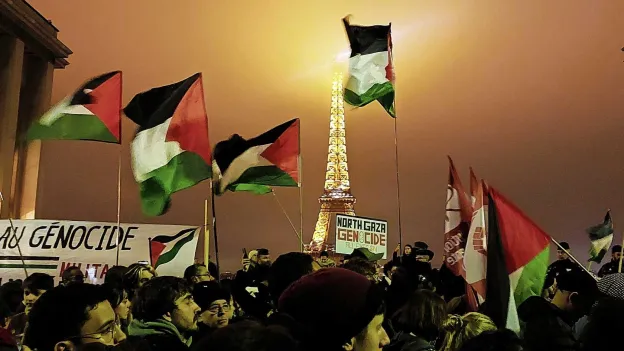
[257, 164]
[601, 237]
[170, 151]
[93, 113]
[169, 253]
[371, 72]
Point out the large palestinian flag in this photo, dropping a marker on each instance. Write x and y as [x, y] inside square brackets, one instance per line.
[601, 237]
[517, 260]
[170, 255]
[93, 112]
[371, 73]
[170, 151]
[270, 159]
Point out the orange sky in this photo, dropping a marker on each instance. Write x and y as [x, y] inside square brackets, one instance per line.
[528, 93]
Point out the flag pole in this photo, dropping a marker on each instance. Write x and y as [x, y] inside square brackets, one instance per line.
[300, 164]
[570, 255]
[149, 240]
[118, 206]
[621, 254]
[292, 225]
[398, 183]
[14, 231]
[206, 237]
[214, 231]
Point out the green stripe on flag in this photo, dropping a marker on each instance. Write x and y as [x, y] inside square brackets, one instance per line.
[171, 254]
[259, 180]
[183, 171]
[532, 278]
[72, 127]
[383, 92]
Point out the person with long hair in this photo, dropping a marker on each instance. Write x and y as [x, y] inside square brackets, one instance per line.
[460, 329]
[136, 276]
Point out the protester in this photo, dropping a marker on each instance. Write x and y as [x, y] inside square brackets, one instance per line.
[561, 265]
[72, 275]
[67, 316]
[248, 336]
[165, 315]
[324, 261]
[136, 276]
[419, 322]
[500, 340]
[115, 275]
[460, 329]
[34, 287]
[334, 309]
[605, 324]
[421, 252]
[118, 298]
[286, 269]
[613, 265]
[214, 302]
[196, 273]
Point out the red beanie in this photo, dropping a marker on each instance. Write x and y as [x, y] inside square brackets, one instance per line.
[332, 304]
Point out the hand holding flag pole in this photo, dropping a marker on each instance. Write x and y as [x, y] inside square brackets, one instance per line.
[14, 232]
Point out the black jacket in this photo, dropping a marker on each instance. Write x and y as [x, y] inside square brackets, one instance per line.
[407, 342]
[545, 327]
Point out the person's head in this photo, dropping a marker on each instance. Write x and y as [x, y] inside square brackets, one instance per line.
[423, 315]
[286, 269]
[249, 336]
[167, 298]
[616, 252]
[34, 286]
[407, 250]
[214, 302]
[499, 340]
[196, 273]
[136, 276]
[72, 275]
[253, 256]
[576, 291]
[264, 257]
[561, 254]
[362, 266]
[421, 252]
[324, 257]
[335, 309]
[68, 316]
[605, 321]
[460, 329]
[118, 299]
[115, 275]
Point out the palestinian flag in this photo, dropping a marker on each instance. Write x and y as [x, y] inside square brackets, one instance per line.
[270, 159]
[93, 112]
[601, 236]
[517, 260]
[170, 255]
[170, 151]
[457, 223]
[371, 73]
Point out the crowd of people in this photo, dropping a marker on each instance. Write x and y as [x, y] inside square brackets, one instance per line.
[298, 302]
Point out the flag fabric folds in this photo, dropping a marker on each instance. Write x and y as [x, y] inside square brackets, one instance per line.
[474, 184]
[170, 255]
[371, 72]
[600, 236]
[254, 165]
[457, 223]
[170, 151]
[93, 113]
[517, 260]
[475, 254]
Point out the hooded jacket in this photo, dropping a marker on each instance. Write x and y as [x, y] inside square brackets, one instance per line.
[157, 335]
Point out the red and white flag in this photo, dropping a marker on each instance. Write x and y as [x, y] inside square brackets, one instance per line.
[457, 223]
[475, 255]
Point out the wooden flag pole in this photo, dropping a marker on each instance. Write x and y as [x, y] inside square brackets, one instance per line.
[300, 164]
[572, 257]
[118, 238]
[398, 183]
[621, 254]
[292, 225]
[206, 235]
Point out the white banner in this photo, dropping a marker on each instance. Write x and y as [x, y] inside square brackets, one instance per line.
[52, 246]
[355, 232]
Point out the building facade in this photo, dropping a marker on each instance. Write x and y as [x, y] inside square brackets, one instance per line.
[30, 51]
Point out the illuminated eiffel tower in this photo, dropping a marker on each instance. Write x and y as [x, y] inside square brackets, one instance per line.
[336, 196]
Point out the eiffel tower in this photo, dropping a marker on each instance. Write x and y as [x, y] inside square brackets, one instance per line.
[337, 197]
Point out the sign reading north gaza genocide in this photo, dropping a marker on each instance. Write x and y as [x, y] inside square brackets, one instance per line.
[356, 232]
[53, 246]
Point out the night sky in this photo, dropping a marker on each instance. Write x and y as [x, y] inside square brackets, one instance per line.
[528, 93]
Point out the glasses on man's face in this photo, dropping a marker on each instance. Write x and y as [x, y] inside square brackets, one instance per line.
[106, 335]
[215, 309]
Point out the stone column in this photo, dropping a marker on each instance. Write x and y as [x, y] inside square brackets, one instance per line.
[34, 102]
[11, 61]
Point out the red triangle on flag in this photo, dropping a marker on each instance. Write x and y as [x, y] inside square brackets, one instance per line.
[107, 104]
[284, 152]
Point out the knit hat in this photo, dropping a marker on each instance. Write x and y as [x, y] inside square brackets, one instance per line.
[205, 293]
[616, 249]
[578, 281]
[331, 306]
[612, 285]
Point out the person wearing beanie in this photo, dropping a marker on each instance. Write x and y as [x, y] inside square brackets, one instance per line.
[334, 309]
[214, 302]
[612, 266]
